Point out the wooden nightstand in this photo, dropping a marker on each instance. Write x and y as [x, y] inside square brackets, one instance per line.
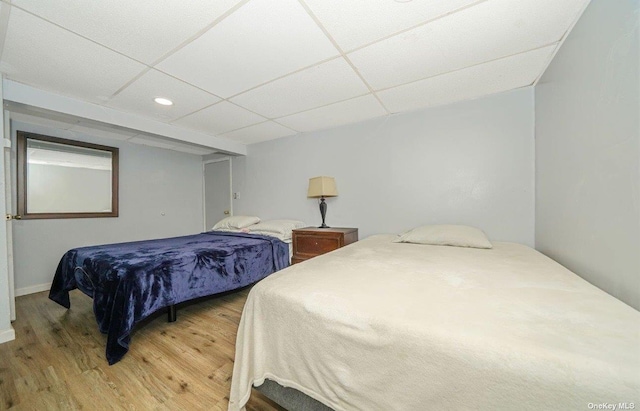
[310, 242]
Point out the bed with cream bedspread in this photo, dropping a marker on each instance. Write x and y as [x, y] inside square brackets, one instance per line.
[386, 326]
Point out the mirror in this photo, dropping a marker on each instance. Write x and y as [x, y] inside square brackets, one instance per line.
[59, 178]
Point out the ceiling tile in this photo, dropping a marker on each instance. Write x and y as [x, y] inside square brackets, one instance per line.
[327, 83]
[484, 79]
[350, 111]
[142, 29]
[220, 118]
[45, 56]
[271, 59]
[259, 132]
[354, 23]
[5, 11]
[138, 97]
[259, 42]
[490, 30]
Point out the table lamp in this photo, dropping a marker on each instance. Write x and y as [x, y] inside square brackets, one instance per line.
[321, 187]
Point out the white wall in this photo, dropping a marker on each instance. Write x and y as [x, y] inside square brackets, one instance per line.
[469, 163]
[160, 196]
[588, 151]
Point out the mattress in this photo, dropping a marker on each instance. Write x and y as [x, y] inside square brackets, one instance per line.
[388, 326]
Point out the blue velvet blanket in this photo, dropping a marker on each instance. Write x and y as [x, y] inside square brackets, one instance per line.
[130, 281]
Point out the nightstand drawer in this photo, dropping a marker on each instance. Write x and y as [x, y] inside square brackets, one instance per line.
[316, 245]
[310, 242]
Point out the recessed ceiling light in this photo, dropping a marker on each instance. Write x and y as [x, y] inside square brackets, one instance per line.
[163, 101]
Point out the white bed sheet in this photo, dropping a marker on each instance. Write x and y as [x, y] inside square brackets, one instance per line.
[386, 326]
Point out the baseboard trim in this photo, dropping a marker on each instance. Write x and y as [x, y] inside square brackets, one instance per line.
[7, 335]
[32, 289]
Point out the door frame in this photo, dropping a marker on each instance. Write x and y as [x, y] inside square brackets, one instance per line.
[204, 188]
[7, 333]
[8, 178]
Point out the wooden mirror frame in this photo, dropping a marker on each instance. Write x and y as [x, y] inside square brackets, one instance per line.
[21, 176]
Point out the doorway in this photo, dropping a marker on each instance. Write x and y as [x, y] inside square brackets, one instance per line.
[217, 191]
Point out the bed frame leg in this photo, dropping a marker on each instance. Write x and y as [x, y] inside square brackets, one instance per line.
[172, 313]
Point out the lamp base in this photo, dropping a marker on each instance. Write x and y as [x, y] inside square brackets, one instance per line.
[323, 212]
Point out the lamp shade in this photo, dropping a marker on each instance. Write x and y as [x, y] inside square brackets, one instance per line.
[322, 187]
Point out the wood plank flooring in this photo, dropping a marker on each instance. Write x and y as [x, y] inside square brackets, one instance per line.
[57, 361]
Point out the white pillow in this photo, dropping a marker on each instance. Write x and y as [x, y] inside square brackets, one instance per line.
[230, 230]
[453, 235]
[281, 229]
[236, 222]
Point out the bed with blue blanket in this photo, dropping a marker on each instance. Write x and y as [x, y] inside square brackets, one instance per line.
[130, 281]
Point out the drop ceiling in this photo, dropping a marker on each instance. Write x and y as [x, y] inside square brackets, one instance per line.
[255, 70]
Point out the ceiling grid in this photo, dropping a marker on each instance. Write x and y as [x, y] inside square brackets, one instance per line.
[255, 70]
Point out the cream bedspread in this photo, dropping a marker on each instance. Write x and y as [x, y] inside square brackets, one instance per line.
[384, 326]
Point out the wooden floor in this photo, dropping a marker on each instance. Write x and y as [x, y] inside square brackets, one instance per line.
[57, 361]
